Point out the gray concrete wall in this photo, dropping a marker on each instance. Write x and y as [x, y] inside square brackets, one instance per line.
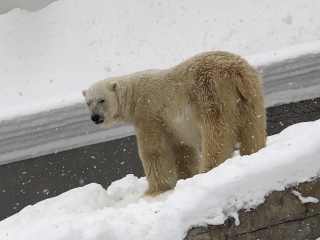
[29, 5]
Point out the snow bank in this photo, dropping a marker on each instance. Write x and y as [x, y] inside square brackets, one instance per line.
[122, 212]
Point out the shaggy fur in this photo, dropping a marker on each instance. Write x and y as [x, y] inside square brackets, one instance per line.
[209, 102]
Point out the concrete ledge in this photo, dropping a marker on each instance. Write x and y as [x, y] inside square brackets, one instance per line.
[281, 216]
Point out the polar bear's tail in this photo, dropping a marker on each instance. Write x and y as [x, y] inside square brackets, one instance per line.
[250, 85]
[252, 108]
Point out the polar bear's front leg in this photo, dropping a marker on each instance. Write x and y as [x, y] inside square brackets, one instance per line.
[157, 157]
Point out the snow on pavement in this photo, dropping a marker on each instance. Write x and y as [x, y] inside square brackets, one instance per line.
[122, 212]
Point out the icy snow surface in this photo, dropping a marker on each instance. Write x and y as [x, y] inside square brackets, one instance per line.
[121, 212]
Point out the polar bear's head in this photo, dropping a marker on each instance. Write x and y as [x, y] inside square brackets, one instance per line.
[101, 101]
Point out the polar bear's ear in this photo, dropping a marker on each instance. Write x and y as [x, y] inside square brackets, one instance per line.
[114, 86]
[84, 92]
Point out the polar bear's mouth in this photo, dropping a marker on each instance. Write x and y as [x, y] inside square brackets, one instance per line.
[99, 122]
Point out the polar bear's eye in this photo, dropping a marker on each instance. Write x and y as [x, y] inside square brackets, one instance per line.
[88, 103]
[101, 101]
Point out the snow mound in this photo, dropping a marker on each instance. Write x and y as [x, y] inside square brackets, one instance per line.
[122, 212]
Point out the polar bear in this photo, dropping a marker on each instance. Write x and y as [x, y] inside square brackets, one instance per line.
[187, 118]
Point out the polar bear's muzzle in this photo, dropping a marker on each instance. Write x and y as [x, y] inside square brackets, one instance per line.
[97, 119]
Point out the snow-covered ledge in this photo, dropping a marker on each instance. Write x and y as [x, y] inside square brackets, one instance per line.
[287, 214]
[289, 75]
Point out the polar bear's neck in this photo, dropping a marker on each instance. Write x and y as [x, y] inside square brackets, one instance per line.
[126, 102]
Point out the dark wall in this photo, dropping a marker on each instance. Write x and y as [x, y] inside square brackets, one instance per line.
[286, 115]
[30, 181]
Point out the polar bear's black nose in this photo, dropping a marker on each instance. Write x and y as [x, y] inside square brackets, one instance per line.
[95, 117]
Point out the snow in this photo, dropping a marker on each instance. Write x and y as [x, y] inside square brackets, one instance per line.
[122, 212]
[70, 44]
[47, 57]
[304, 199]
